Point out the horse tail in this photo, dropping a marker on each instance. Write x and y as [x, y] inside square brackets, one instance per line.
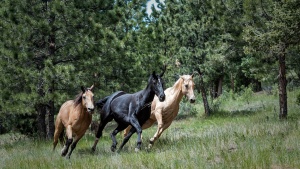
[105, 102]
[100, 103]
[108, 99]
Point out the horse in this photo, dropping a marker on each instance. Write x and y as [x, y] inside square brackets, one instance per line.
[126, 108]
[165, 112]
[76, 116]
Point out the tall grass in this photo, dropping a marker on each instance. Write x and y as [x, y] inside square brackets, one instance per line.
[243, 132]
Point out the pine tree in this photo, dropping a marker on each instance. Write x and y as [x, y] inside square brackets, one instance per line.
[272, 36]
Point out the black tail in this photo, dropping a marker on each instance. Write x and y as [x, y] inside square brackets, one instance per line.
[100, 103]
[104, 104]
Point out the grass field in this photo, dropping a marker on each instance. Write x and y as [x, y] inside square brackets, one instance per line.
[243, 132]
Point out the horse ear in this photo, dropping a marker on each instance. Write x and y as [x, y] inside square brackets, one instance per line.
[164, 69]
[193, 74]
[91, 88]
[82, 88]
[153, 73]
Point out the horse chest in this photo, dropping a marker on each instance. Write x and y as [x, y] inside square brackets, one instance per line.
[82, 123]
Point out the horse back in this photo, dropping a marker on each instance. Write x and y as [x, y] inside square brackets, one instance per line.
[122, 103]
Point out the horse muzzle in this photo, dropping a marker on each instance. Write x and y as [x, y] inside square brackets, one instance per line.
[162, 98]
[90, 110]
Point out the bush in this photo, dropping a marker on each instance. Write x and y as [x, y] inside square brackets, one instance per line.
[186, 109]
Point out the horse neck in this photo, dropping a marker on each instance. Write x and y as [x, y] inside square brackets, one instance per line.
[81, 110]
[147, 95]
[176, 92]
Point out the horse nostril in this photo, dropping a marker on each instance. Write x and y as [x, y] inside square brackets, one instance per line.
[91, 109]
[162, 97]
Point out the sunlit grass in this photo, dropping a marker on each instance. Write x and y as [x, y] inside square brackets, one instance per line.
[237, 135]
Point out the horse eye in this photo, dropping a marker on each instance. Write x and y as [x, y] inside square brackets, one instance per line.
[186, 86]
[84, 97]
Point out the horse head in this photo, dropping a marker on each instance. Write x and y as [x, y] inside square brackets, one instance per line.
[88, 99]
[157, 85]
[187, 87]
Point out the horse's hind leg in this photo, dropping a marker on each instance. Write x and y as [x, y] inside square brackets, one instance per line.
[99, 131]
[62, 138]
[59, 127]
[113, 136]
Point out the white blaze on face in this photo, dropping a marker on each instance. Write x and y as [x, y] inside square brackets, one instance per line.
[88, 100]
[188, 87]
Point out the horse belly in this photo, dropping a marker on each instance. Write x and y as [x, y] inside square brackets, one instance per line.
[121, 118]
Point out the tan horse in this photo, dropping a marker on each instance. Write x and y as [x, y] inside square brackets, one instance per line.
[165, 112]
[76, 116]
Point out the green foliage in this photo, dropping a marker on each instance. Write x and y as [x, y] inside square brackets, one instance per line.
[247, 94]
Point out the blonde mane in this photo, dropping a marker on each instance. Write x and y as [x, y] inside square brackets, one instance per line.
[177, 85]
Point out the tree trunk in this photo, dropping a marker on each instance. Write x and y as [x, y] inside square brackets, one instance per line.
[215, 89]
[51, 48]
[220, 85]
[51, 127]
[282, 87]
[41, 112]
[232, 82]
[204, 98]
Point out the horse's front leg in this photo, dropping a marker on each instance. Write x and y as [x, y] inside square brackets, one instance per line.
[69, 141]
[73, 145]
[127, 137]
[135, 123]
[160, 128]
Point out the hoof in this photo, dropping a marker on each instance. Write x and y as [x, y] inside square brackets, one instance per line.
[113, 148]
[136, 149]
[150, 146]
[93, 149]
[63, 152]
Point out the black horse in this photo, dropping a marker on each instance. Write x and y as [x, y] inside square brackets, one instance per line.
[127, 109]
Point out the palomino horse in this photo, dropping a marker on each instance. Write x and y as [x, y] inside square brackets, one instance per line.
[76, 116]
[125, 110]
[165, 112]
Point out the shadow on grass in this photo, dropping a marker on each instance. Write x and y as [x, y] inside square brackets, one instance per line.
[233, 113]
[185, 116]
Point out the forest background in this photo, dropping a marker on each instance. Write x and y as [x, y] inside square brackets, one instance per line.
[49, 48]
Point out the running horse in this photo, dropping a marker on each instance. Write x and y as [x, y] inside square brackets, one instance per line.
[76, 116]
[165, 112]
[126, 108]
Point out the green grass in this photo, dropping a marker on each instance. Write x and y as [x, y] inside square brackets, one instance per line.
[239, 134]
